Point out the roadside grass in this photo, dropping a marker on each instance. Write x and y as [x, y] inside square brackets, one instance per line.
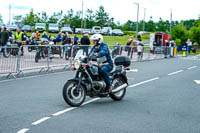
[110, 40]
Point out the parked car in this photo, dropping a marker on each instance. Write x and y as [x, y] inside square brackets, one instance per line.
[40, 27]
[78, 30]
[117, 32]
[12, 27]
[66, 29]
[88, 31]
[96, 29]
[106, 31]
[53, 28]
[26, 28]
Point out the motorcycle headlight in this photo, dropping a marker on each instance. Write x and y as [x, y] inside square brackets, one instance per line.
[77, 64]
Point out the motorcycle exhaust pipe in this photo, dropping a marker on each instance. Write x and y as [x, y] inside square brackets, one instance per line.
[118, 89]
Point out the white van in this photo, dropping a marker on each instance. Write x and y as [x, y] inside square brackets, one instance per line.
[96, 29]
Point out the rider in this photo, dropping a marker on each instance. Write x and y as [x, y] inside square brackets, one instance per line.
[102, 49]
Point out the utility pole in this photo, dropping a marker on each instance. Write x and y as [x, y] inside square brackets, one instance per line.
[137, 18]
[82, 16]
[144, 19]
[171, 21]
[9, 13]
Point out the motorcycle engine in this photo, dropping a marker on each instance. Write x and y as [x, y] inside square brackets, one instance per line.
[99, 85]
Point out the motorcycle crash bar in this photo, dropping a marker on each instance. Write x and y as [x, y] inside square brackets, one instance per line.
[120, 88]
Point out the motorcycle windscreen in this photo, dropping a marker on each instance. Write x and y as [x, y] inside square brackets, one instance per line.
[79, 54]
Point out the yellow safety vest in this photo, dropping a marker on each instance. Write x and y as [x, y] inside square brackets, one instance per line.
[18, 36]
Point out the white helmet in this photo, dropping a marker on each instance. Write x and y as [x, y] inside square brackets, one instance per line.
[97, 37]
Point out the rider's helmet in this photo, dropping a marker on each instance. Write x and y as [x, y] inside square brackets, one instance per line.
[98, 38]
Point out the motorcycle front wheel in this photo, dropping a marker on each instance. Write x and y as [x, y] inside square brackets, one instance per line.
[71, 96]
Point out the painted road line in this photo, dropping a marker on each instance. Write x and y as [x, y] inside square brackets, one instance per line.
[40, 121]
[23, 130]
[132, 70]
[192, 67]
[140, 83]
[197, 81]
[175, 72]
[64, 111]
[90, 101]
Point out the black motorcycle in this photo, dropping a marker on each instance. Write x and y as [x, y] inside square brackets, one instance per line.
[116, 50]
[42, 50]
[88, 80]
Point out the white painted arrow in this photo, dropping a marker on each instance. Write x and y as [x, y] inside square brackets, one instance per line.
[197, 81]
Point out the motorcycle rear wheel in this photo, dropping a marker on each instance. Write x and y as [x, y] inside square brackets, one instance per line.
[119, 95]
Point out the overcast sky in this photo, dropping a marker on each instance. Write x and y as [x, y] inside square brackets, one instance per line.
[121, 10]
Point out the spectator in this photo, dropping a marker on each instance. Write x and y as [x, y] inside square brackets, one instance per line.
[37, 34]
[4, 36]
[59, 38]
[33, 35]
[18, 39]
[189, 44]
[67, 39]
[86, 42]
[76, 39]
[166, 48]
[24, 36]
[44, 35]
[130, 44]
[140, 51]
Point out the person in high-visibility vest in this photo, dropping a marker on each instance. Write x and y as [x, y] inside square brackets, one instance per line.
[18, 39]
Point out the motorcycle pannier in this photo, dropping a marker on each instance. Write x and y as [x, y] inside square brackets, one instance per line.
[122, 60]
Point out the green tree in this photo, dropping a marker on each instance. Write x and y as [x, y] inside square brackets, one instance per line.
[102, 17]
[195, 34]
[180, 32]
[150, 25]
[44, 17]
[29, 19]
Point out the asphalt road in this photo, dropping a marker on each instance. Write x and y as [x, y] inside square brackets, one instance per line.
[162, 98]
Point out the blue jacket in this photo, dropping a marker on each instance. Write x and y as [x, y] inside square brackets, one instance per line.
[59, 38]
[45, 36]
[104, 51]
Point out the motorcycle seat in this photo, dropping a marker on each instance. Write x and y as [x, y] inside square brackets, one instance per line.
[116, 69]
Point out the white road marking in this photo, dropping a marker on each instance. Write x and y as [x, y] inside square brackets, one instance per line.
[140, 83]
[23, 130]
[40, 121]
[197, 81]
[69, 109]
[64, 111]
[132, 70]
[192, 67]
[95, 99]
[175, 72]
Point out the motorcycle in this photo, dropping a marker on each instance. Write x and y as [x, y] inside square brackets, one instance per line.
[10, 48]
[116, 50]
[42, 50]
[88, 80]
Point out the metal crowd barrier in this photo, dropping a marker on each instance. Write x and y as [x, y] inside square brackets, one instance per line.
[8, 60]
[34, 58]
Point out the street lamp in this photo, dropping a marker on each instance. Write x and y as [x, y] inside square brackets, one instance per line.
[171, 21]
[82, 16]
[137, 18]
[144, 19]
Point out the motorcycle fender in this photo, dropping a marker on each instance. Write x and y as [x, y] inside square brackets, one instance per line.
[124, 77]
[77, 80]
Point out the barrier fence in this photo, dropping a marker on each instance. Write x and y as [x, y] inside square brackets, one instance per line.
[34, 58]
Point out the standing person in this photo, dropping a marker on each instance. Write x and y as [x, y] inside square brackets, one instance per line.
[86, 42]
[18, 39]
[59, 38]
[130, 44]
[44, 35]
[76, 39]
[166, 48]
[37, 35]
[4, 38]
[189, 44]
[102, 50]
[140, 51]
